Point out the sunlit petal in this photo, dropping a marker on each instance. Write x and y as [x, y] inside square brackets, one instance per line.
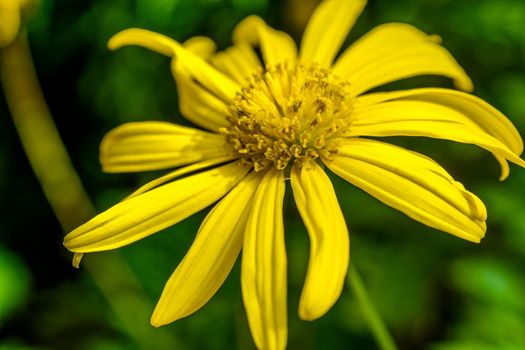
[439, 113]
[204, 73]
[210, 258]
[198, 104]
[240, 62]
[329, 242]
[150, 212]
[327, 29]
[264, 265]
[276, 46]
[413, 184]
[397, 51]
[180, 172]
[202, 46]
[143, 146]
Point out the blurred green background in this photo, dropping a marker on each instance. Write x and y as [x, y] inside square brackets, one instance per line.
[433, 290]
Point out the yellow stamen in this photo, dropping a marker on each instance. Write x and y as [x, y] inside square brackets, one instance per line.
[289, 113]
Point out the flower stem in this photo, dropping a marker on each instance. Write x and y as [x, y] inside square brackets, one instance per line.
[375, 323]
[65, 193]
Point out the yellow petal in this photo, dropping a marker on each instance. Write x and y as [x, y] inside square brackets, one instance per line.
[413, 184]
[146, 146]
[397, 51]
[327, 29]
[202, 46]
[180, 172]
[205, 74]
[150, 212]
[421, 118]
[77, 257]
[276, 46]
[329, 242]
[210, 258]
[9, 20]
[263, 274]
[196, 103]
[439, 113]
[239, 62]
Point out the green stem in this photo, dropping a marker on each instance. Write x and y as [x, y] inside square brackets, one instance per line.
[64, 191]
[377, 327]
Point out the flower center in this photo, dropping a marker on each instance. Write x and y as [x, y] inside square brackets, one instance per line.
[289, 113]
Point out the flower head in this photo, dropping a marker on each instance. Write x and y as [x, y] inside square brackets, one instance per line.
[291, 115]
[9, 20]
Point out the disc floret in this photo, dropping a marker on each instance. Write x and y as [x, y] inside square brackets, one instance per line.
[289, 113]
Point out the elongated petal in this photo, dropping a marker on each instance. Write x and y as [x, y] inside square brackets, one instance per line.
[263, 275]
[327, 29]
[421, 118]
[150, 212]
[329, 242]
[180, 172]
[239, 62]
[413, 184]
[204, 73]
[397, 51]
[439, 113]
[196, 103]
[210, 258]
[276, 46]
[157, 145]
[199, 105]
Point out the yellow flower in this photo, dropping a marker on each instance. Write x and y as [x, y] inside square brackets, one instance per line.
[290, 116]
[12, 14]
[9, 20]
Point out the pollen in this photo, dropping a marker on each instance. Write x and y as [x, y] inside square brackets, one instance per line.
[289, 114]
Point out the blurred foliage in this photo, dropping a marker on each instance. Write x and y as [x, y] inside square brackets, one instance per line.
[14, 279]
[434, 291]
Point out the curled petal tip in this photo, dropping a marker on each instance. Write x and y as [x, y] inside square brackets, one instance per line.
[125, 37]
[113, 42]
[76, 259]
[144, 38]
[503, 176]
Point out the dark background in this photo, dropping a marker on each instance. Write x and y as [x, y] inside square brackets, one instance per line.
[433, 290]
